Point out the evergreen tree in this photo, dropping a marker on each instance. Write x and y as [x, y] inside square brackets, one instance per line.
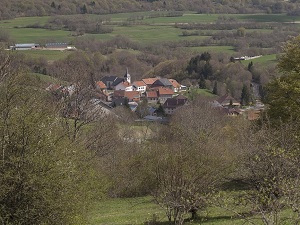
[250, 66]
[202, 83]
[160, 110]
[53, 5]
[84, 9]
[245, 96]
[215, 89]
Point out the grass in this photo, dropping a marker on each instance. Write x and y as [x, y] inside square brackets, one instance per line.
[23, 21]
[264, 60]
[125, 211]
[32, 35]
[216, 49]
[137, 211]
[47, 54]
[279, 18]
[197, 91]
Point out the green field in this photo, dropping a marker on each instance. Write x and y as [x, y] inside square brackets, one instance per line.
[139, 211]
[32, 35]
[47, 54]
[264, 60]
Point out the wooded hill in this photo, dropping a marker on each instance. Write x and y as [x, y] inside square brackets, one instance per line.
[15, 8]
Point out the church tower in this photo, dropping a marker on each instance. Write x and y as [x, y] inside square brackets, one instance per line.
[127, 76]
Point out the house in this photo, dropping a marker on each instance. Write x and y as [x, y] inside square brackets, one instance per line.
[175, 85]
[162, 82]
[125, 86]
[139, 86]
[117, 81]
[152, 96]
[164, 93]
[109, 81]
[149, 81]
[227, 100]
[132, 96]
[101, 95]
[100, 86]
[172, 104]
[118, 94]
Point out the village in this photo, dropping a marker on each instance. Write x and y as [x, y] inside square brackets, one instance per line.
[160, 97]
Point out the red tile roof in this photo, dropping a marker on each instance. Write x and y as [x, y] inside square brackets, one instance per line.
[149, 81]
[125, 84]
[174, 83]
[151, 94]
[139, 83]
[132, 95]
[119, 93]
[165, 91]
[101, 85]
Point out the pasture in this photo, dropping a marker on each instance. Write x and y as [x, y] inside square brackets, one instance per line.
[49, 55]
[143, 211]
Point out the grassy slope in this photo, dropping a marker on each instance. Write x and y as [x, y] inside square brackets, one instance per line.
[47, 54]
[137, 211]
[264, 60]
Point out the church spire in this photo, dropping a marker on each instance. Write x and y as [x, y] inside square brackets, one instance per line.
[127, 76]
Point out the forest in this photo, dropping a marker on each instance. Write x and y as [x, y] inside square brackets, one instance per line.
[14, 8]
[62, 158]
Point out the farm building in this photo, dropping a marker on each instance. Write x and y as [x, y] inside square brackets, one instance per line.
[56, 45]
[27, 46]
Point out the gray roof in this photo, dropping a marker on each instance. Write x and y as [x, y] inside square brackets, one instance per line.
[27, 45]
[162, 82]
[117, 81]
[108, 78]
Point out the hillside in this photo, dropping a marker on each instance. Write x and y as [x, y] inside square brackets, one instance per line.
[15, 8]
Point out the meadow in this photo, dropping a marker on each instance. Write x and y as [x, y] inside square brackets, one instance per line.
[143, 210]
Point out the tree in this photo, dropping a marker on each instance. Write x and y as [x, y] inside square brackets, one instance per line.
[270, 168]
[185, 167]
[83, 9]
[283, 92]
[53, 5]
[202, 83]
[250, 66]
[241, 32]
[290, 58]
[215, 89]
[44, 177]
[245, 96]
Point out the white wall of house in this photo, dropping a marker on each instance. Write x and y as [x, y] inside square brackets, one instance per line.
[122, 87]
[140, 88]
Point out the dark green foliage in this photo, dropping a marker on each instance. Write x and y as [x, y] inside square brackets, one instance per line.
[200, 67]
[202, 83]
[245, 96]
[83, 9]
[53, 5]
[160, 110]
[282, 94]
[215, 89]
[250, 66]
